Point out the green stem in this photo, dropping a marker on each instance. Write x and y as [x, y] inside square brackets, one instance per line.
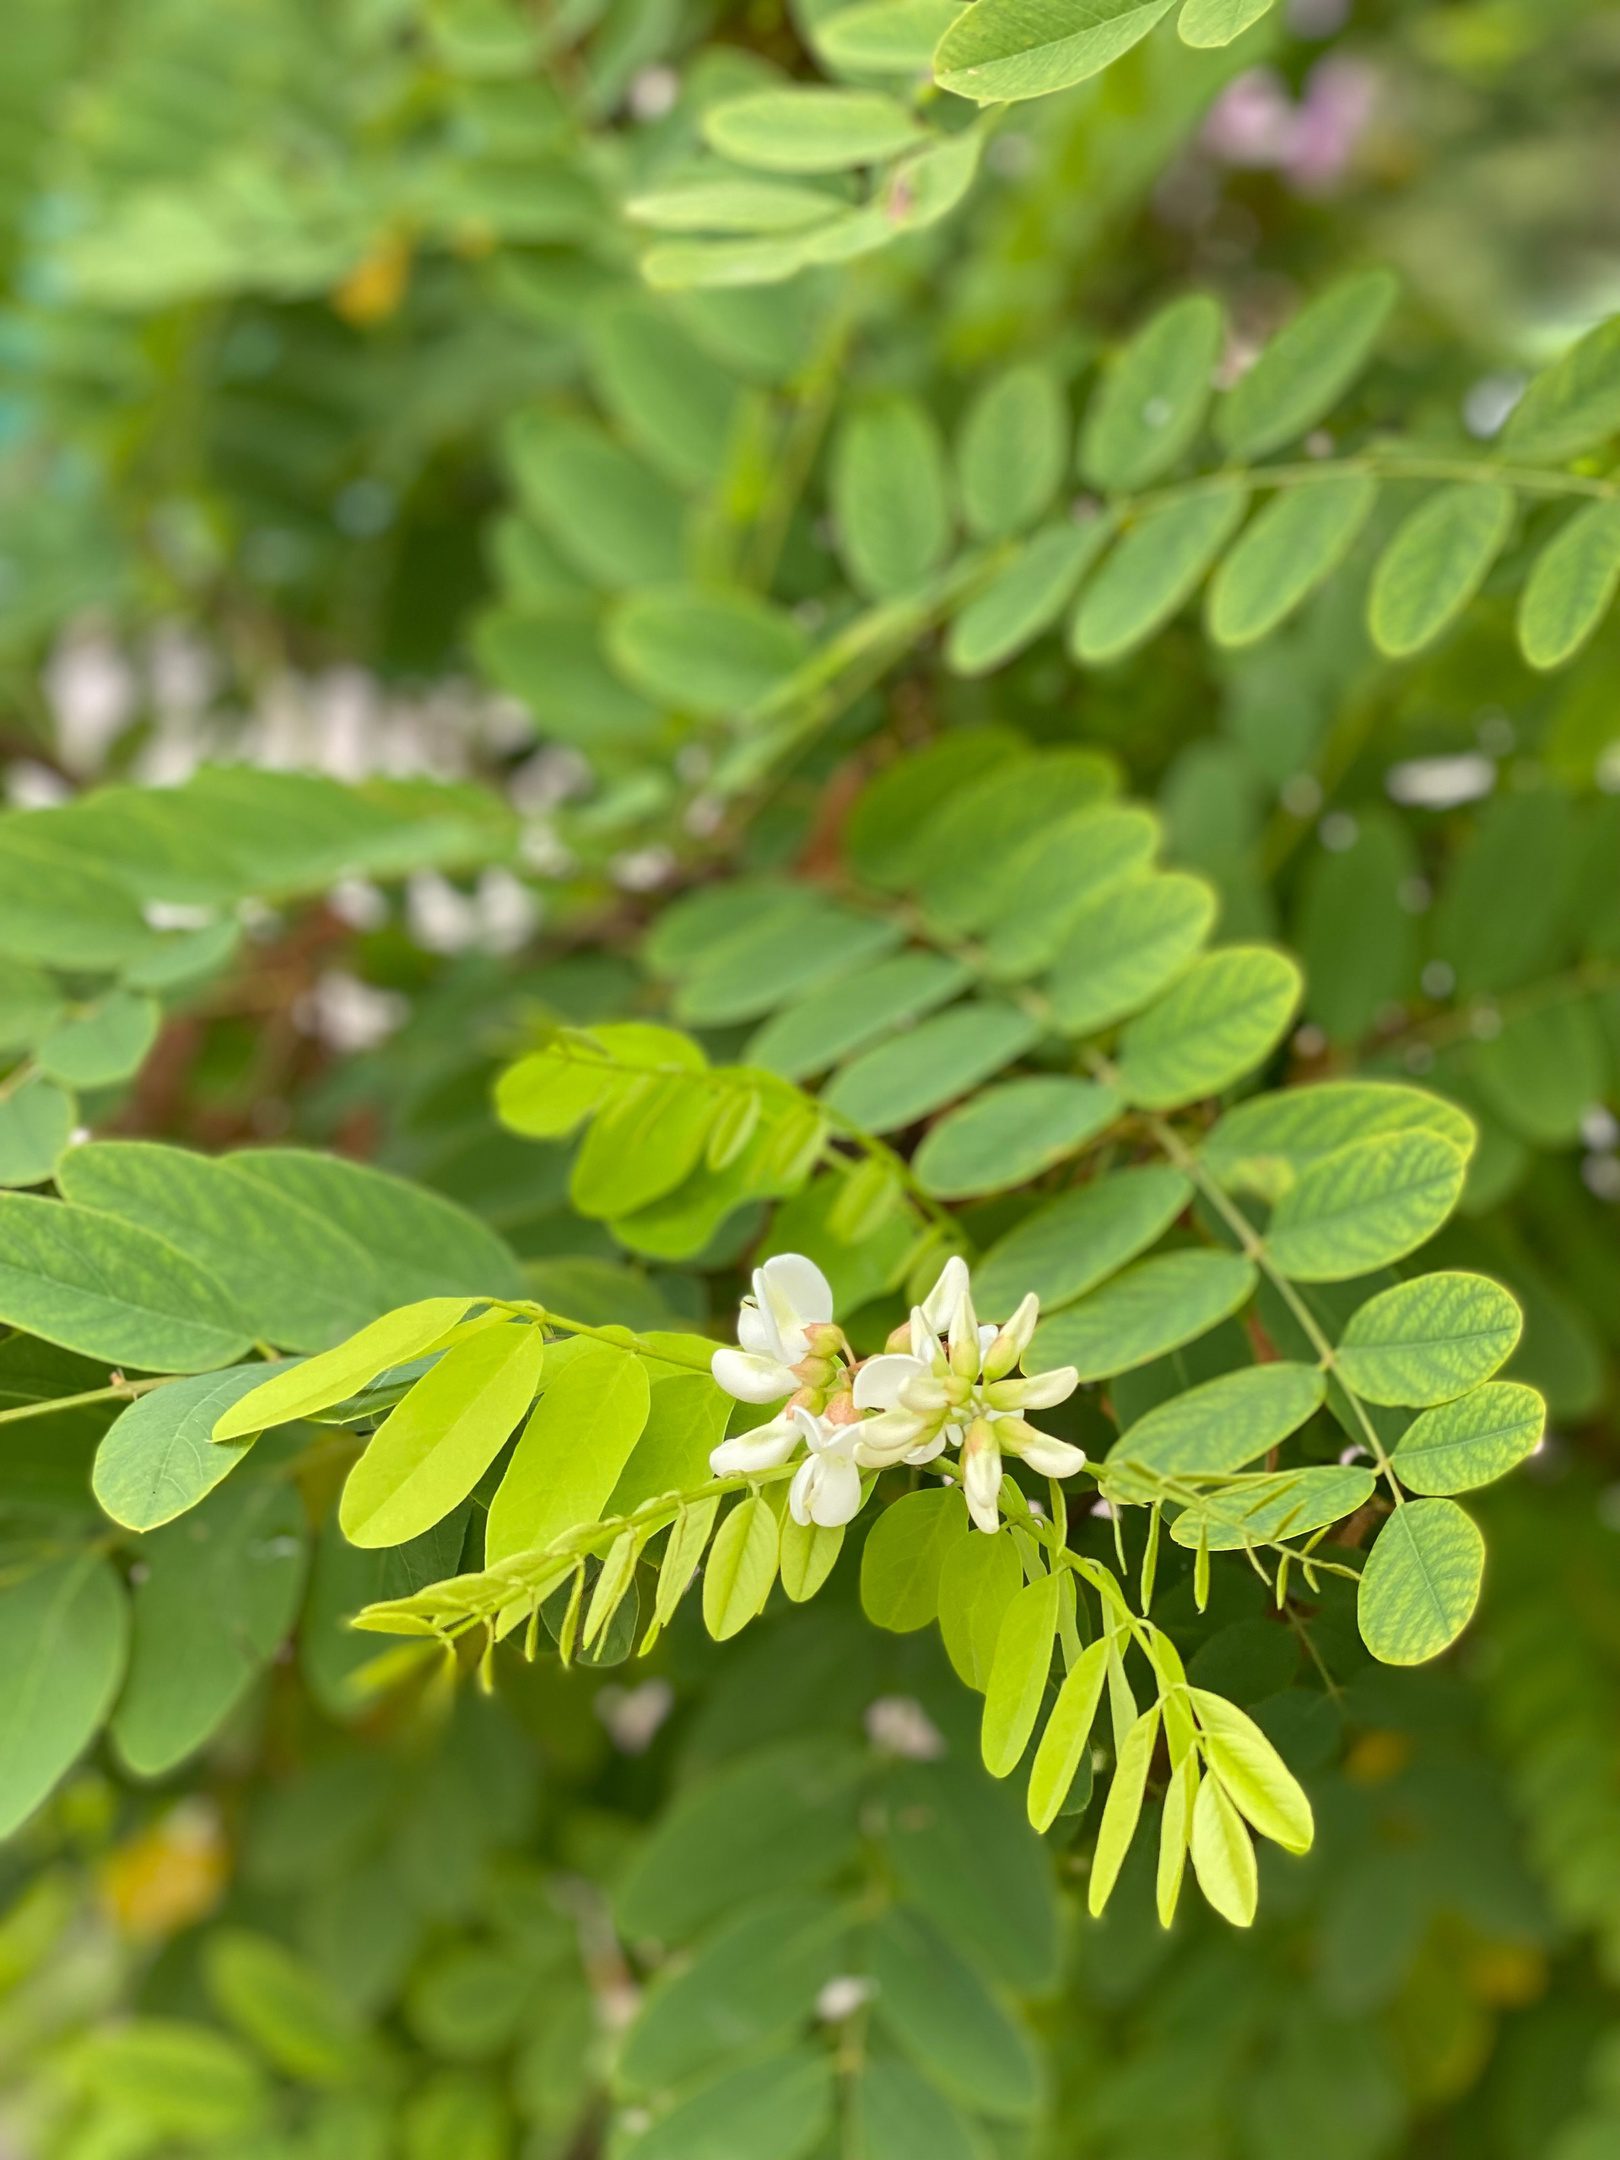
[123, 1391]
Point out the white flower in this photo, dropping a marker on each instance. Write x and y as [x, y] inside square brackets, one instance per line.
[963, 1393]
[764, 1447]
[826, 1488]
[791, 1296]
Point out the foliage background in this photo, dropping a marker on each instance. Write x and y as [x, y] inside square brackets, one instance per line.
[299, 303]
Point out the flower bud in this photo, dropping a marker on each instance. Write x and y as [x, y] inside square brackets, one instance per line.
[1013, 1339]
[1041, 1391]
[981, 1474]
[947, 1293]
[1046, 1457]
[965, 1352]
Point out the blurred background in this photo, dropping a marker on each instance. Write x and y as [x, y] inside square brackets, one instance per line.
[335, 416]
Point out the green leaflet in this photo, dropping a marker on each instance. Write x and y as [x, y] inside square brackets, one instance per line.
[938, 2008]
[36, 1123]
[1428, 1340]
[776, 1820]
[1009, 1134]
[1000, 1913]
[1002, 50]
[1154, 570]
[648, 1138]
[1018, 1674]
[1218, 22]
[1272, 1504]
[1055, 875]
[430, 1451]
[778, 2108]
[1025, 598]
[732, 203]
[1434, 565]
[901, 2116]
[903, 1556]
[890, 496]
[610, 515]
[1149, 406]
[1012, 451]
[1067, 1736]
[288, 2008]
[809, 1553]
[807, 129]
[89, 1282]
[1571, 406]
[159, 1457]
[741, 1567]
[317, 1383]
[711, 652]
[1571, 586]
[239, 1559]
[102, 1043]
[63, 1630]
[1308, 366]
[753, 1979]
[1472, 1440]
[187, 2081]
[573, 1450]
[1222, 1019]
[1126, 948]
[419, 1244]
[978, 1579]
[891, 36]
[1223, 1855]
[787, 951]
[1123, 1809]
[842, 1017]
[1420, 1583]
[1153, 1307]
[1371, 1203]
[1293, 547]
[1252, 1773]
[1545, 1068]
[1355, 938]
[64, 913]
[1218, 1427]
[988, 828]
[686, 1418]
[904, 1079]
[30, 1004]
[672, 400]
[297, 1278]
[1263, 1145]
[1079, 1239]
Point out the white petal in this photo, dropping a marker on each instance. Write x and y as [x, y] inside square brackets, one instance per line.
[1045, 1390]
[1052, 1458]
[751, 1379]
[925, 1346]
[836, 1495]
[765, 1448]
[988, 1331]
[887, 1438]
[981, 1481]
[880, 1379]
[756, 1333]
[795, 1293]
[928, 1450]
[939, 1306]
[799, 1492]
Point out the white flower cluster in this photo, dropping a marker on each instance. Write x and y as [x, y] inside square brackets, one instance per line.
[946, 1379]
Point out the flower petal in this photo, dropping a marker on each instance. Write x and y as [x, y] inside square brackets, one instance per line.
[939, 1306]
[752, 1379]
[756, 1332]
[1052, 1458]
[796, 1295]
[767, 1447]
[880, 1379]
[836, 1496]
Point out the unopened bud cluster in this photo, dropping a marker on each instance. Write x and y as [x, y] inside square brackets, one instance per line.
[945, 1380]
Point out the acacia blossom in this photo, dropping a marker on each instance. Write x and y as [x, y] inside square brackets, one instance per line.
[946, 1380]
